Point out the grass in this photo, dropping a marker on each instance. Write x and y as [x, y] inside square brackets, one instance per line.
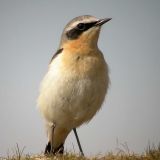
[151, 153]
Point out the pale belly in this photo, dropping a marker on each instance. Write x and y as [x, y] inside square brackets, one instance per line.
[68, 100]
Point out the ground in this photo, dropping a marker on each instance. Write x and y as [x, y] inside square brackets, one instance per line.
[151, 153]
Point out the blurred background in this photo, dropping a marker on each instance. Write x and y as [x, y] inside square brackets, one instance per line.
[30, 33]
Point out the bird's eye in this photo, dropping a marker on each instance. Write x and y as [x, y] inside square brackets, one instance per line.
[81, 26]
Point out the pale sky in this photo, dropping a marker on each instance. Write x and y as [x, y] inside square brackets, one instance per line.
[29, 35]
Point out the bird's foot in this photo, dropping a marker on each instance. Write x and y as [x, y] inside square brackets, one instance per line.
[49, 151]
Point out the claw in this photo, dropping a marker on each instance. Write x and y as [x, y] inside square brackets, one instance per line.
[59, 150]
[48, 149]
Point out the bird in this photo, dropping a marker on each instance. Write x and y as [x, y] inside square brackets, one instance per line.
[76, 83]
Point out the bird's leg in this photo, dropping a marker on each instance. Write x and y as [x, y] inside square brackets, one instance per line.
[49, 147]
[52, 134]
[79, 144]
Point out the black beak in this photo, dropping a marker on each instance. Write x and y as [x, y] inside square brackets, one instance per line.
[102, 21]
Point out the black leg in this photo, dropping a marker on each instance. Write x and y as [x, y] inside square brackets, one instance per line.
[52, 134]
[48, 148]
[79, 144]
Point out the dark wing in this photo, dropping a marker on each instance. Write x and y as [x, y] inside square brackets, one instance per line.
[58, 52]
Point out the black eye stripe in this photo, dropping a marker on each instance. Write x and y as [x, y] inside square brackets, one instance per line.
[81, 26]
[89, 25]
[75, 32]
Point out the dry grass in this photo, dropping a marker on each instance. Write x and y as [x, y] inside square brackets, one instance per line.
[151, 153]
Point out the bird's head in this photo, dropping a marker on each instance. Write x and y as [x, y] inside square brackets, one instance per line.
[82, 30]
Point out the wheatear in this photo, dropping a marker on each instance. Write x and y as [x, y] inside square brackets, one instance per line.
[76, 83]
